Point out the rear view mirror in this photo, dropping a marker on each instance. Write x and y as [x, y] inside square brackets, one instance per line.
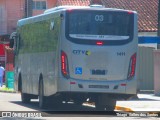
[12, 39]
[11, 43]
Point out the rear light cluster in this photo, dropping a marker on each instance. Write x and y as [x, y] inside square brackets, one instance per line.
[132, 66]
[64, 65]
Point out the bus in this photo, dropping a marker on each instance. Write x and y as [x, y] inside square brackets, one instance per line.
[76, 54]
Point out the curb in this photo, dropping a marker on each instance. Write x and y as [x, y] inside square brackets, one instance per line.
[2, 89]
[7, 91]
[124, 109]
[154, 113]
[129, 110]
[119, 108]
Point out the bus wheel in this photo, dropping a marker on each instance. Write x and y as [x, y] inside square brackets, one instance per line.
[105, 104]
[105, 107]
[42, 99]
[25, 97]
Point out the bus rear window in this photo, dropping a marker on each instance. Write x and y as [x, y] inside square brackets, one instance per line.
[104, 25]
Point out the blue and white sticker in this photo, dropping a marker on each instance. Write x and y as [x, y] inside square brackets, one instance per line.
[78, 70]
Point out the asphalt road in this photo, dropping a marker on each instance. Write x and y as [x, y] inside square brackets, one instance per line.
[11, 102]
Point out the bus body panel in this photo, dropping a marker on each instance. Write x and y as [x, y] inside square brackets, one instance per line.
[92, 68]
[99, 83]
[111, 62]
[37, 55]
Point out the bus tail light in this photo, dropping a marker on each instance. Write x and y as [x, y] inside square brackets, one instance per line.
[99, 43]
[132, 66]
[64, 65]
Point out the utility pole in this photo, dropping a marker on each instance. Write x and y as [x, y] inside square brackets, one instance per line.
[158, 32]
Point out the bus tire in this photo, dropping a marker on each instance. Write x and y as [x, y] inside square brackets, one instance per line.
[105, 104]
[20, 83]
[105, 107]
[42, 98]
[25, 97]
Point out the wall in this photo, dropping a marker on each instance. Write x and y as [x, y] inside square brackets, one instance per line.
[145, 68]
[49, 3]
[14, 13]
[3, 18]
[157, 72]
[147, 34]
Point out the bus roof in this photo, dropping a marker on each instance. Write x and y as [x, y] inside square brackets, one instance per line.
[64, 8]
[97, 7]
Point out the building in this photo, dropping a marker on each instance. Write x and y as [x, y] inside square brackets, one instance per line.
[147, 13]
[10, 14]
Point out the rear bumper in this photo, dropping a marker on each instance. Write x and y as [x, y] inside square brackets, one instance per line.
[98, 86]
[93, 95]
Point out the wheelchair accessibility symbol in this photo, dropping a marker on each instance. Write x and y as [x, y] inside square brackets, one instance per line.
[78, 70]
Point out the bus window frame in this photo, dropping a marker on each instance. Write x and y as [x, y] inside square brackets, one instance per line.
[105, 42]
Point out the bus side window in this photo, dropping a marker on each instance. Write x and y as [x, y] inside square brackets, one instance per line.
[17, 44]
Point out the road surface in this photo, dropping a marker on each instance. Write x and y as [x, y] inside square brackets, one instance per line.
[11, 102]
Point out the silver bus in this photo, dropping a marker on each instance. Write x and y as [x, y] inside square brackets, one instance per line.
[77, 53]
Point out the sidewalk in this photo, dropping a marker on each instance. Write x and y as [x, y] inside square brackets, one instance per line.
[145, 102]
